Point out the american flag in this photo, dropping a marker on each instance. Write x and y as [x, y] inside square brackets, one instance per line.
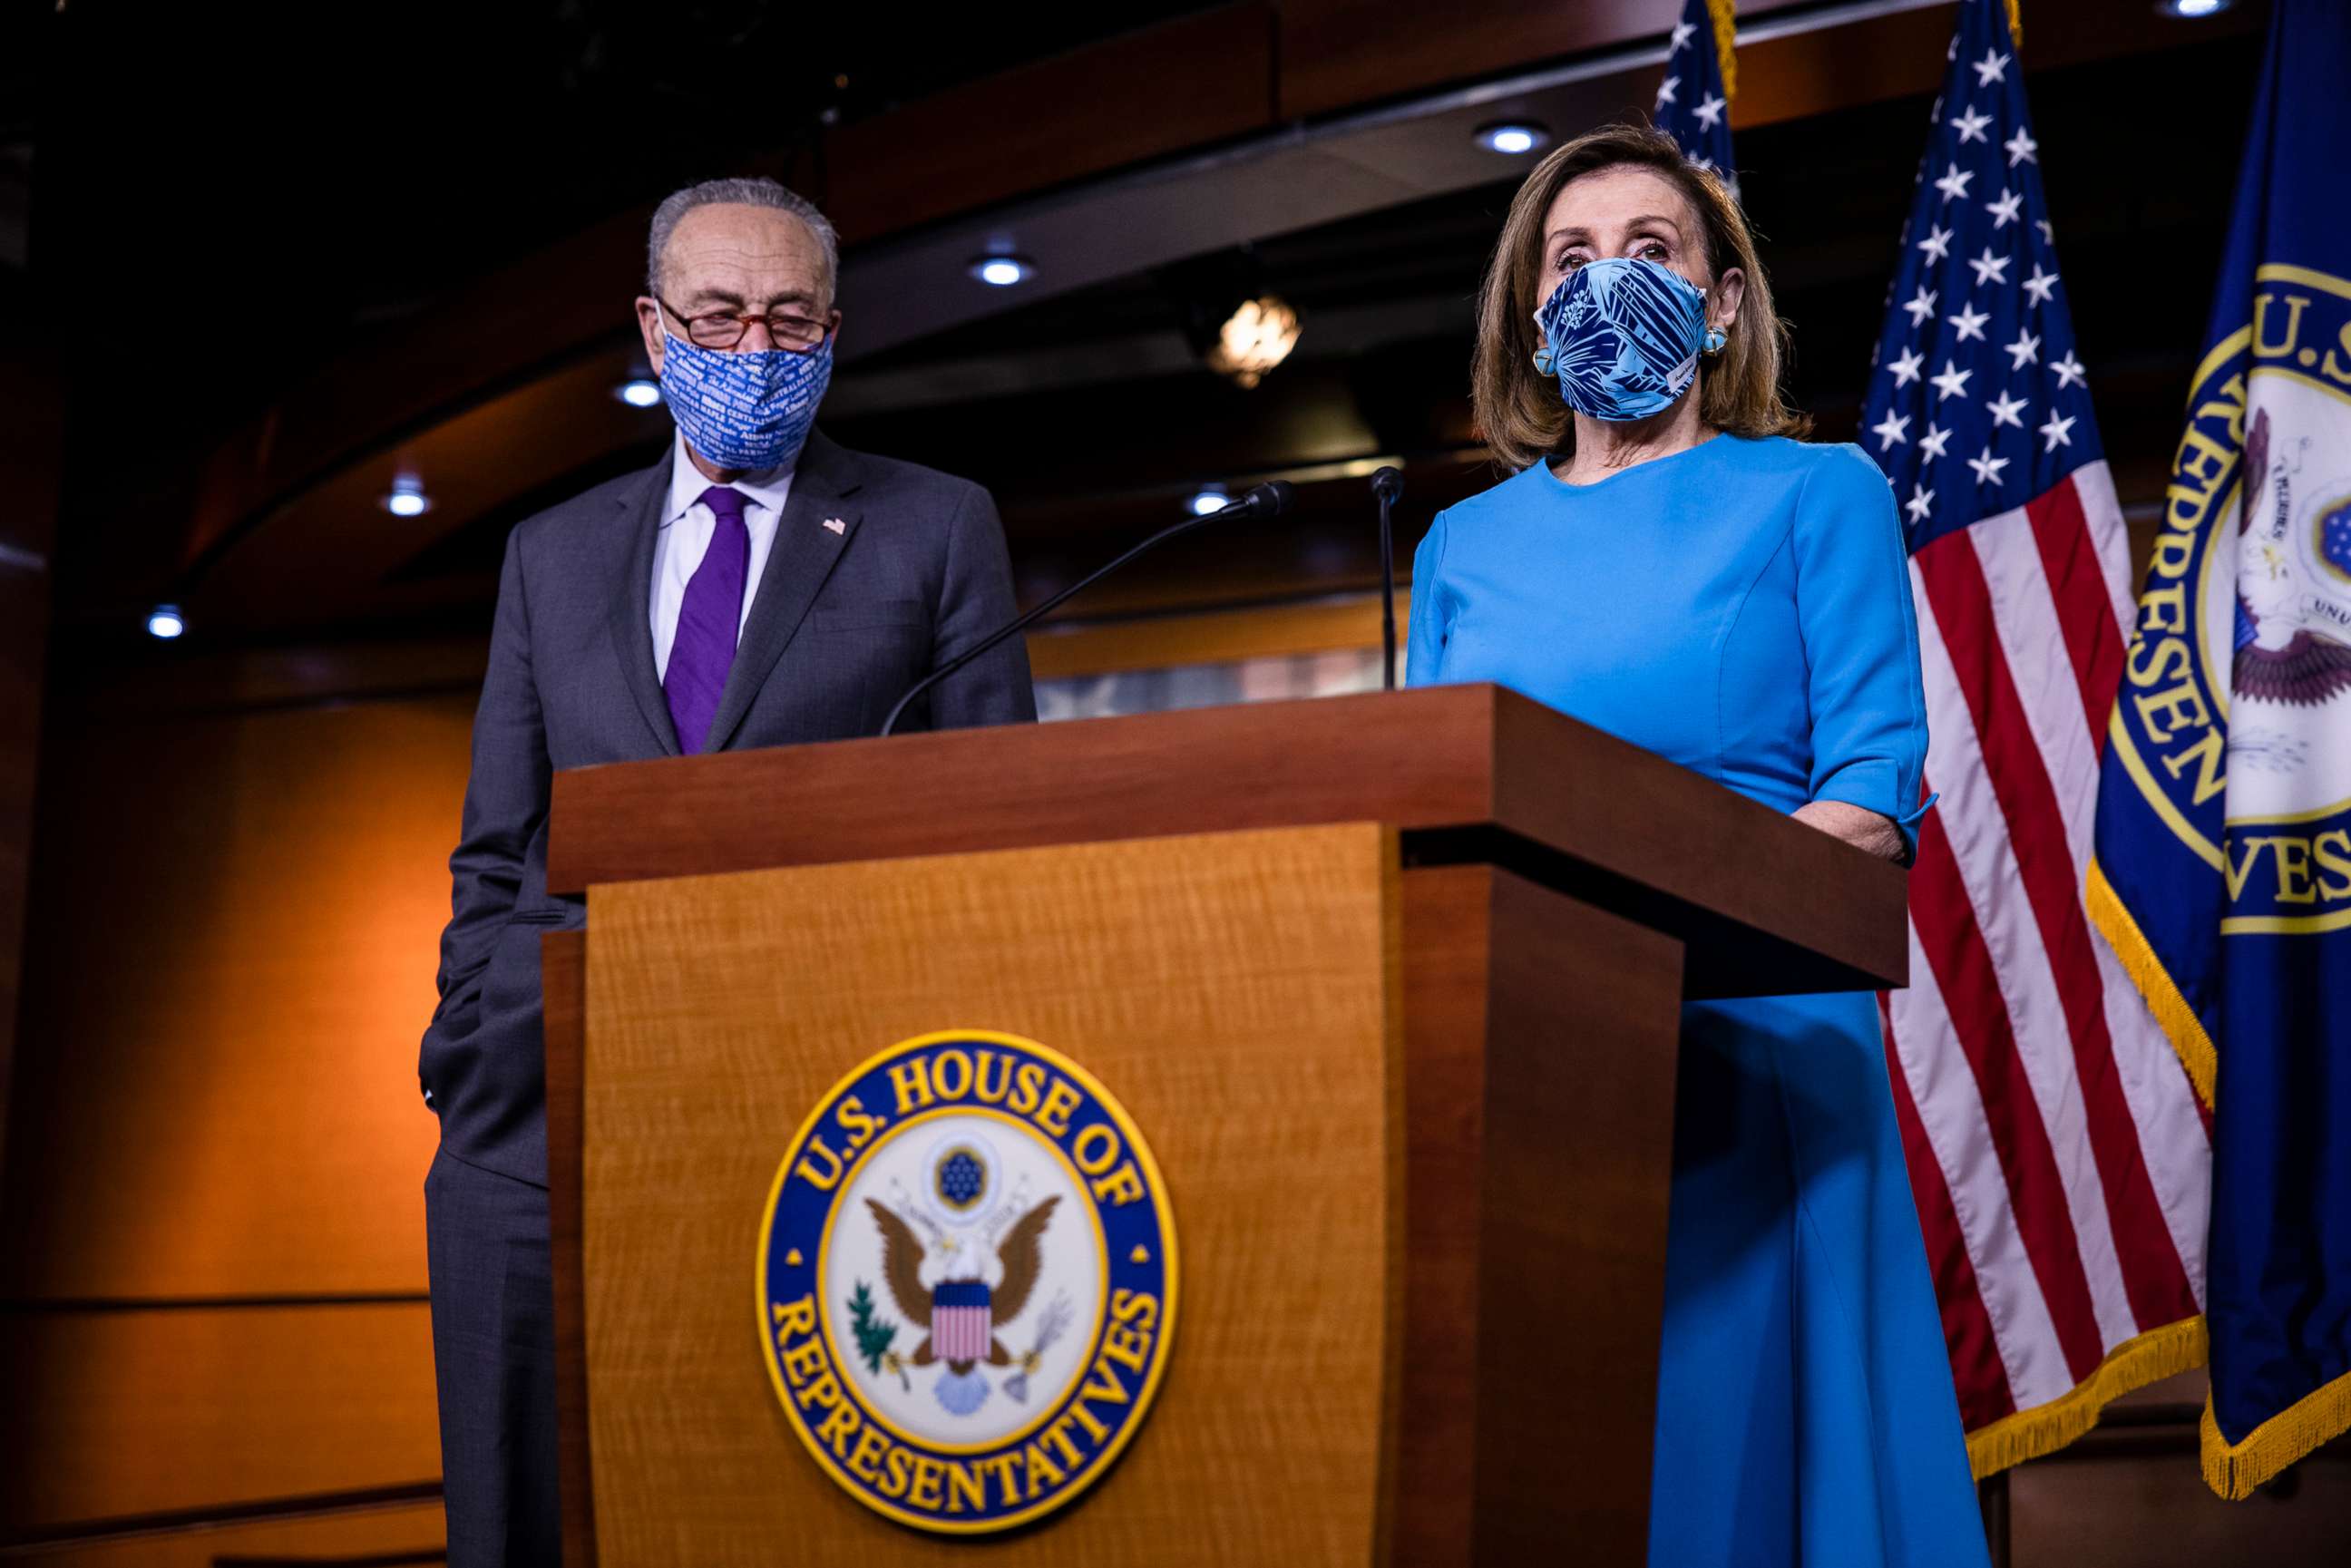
[2057, 1153]
[1694, 100]
[960, 1319]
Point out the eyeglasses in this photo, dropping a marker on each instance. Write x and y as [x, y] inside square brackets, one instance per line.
[724, 328]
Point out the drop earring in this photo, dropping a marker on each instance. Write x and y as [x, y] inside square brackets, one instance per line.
[1715, 339]
[1543, 361]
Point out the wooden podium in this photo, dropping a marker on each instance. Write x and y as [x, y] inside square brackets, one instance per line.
[1391, 984]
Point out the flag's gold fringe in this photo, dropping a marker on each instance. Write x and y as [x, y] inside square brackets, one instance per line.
[1720, 11]
[2236, 1470]
[2179, 1021]
[2016, 22]
[2045, 1428]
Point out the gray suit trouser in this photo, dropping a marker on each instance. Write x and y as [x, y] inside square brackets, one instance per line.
[494, 1364]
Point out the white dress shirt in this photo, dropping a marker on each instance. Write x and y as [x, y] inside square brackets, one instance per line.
[683, 539]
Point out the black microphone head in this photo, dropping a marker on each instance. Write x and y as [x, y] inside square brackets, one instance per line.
[1388, 485]
[1269, 499]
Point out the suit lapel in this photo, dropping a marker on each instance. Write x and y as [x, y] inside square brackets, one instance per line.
[802, 557]
[631, 617]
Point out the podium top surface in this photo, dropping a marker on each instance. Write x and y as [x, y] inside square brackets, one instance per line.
[1468, 773]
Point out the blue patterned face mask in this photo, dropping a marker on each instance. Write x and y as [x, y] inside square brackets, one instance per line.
[744, 410]
[1623, 335]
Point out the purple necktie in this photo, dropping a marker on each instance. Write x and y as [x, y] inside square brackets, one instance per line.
[704, 648]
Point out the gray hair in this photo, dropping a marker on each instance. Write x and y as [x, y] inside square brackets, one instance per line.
[753, 192]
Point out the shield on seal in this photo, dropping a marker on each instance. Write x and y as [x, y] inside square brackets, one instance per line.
[961, 1324]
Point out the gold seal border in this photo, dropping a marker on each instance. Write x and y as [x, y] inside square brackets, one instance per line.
[1164, 1342]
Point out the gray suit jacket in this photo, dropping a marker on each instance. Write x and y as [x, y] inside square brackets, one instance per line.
[842, 624]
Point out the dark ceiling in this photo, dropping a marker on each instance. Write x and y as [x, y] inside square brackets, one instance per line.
[2137, 203]
[271, 178]
[247, 198]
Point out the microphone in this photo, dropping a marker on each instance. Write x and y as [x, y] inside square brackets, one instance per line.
[1269, 499]
[1388, 486]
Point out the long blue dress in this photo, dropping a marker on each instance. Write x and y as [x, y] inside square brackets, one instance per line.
[1743, 608]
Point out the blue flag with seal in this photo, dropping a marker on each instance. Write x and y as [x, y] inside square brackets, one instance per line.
[1694, 100]
[2223, 873]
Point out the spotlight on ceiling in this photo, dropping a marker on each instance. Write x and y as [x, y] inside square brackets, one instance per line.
[408, 498]
[1240, 329]
[2192, 9]
[1210, 499]
[166, 621]
[1513, 138]
[1257, 335]
[1002, 271]
[639, 391]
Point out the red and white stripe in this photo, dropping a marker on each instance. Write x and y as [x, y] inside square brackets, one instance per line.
[961, 1334]
[2057, 1153]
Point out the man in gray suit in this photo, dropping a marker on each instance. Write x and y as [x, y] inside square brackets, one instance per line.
[758, 586]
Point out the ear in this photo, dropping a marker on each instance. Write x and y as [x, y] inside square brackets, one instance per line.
[1728, 290]
[649, 327]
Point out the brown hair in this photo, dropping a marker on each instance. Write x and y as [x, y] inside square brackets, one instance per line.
[1518, 409]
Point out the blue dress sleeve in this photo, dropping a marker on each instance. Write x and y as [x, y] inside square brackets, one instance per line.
[1861, 642]
[1430, 620]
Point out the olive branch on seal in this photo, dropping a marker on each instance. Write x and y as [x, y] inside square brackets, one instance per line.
[873, 1339]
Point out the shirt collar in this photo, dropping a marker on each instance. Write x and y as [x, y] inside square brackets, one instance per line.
[764, 488]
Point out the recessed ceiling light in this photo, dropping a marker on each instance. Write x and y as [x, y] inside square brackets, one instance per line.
[1211, 498]
[408, 498]
[166, 621]
[2191, 7]
[1002, 271]
[1513, 138]
[639, 391]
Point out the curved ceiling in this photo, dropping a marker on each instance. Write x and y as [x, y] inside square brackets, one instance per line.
[1214, 129]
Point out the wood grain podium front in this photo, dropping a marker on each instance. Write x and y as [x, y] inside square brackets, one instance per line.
[1390, 984]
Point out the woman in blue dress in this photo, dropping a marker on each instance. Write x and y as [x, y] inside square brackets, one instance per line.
[1671, 565]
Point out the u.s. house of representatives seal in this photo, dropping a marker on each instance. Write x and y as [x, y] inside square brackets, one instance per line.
[967, 1281]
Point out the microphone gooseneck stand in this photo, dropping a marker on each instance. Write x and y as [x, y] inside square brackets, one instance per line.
[1388, 486]
[1266, 500]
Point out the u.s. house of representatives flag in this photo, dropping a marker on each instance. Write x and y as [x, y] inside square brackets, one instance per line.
[2055, 1147]
[2223, 869]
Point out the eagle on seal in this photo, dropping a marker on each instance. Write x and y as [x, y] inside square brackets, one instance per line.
[902, 1267]
[2308, 667]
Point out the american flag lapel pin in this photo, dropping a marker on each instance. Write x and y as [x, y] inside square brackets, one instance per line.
[834, 524]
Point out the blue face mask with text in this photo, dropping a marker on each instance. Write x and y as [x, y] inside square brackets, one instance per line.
[744, 410]
[1623, 335]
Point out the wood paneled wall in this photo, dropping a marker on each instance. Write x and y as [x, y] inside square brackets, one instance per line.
[31, 449]
[212, 1260]
[212, 1244]
[357, 1537]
